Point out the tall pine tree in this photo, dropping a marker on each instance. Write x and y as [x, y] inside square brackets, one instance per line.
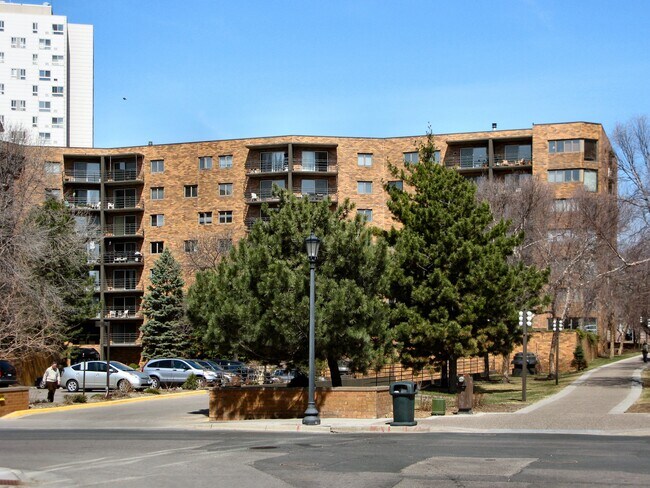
[165, 334]
[454, 292]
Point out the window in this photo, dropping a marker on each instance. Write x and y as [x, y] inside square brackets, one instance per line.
[34, 121]
[34, 58]
[44, 75]
[2, 88]
[568, 146]
[52, 168]
[44, 44]
[157, 220]
[564, 205]
[57, 91]
[157, 192]
[364, 159]
[205, 218]
[45, 137]
[314, 161]
[314, 187]
[399, 184]
[35, 90]
[57, 122]
[224, 245]
[412, 157]
[591, 180]
[191, 191]
[2, 25]
[591, 150]
[267, 187]
[44, 106]
[366, 214]
[564, 175]
[271, 162]
[436, 157]
[518, 153]
[34, 27]
[191, 246]
[57, 60]
[18, 105]
[157, 166]
[57, 29]
[225, 189]
[18, 42]
[364, 187]
[2, 57]
[225, 217]
[53, 193]
[205, 162]
[225, 161]
[157, 247]
[18, 73]
[473, 157]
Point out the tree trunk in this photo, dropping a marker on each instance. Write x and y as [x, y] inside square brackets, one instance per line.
[486, 366]
[335, 374]
[444, 375]
[612, 338]
[453, 373]
[505, 366]
[551, 354]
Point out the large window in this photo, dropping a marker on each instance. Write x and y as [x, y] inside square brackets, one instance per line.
[266, 187]
[44, 106]
[57, 91]
[366, 214]
[565, 146]
[412, 157]
[364, 187]
[364, 159]
[591, 150]
[18, 73]
[399, 184]
[473, 157]
[591, 180]
[157, 166]
[313, 187]
[314, 161]
[191, 191]
[18, 42]
[157, 220]
[18, 105]
[44, 75]
[273, 161]
[588, 176]
[45, 44]
[157, 247]
[521, 153]
[205, 218]
[157, 192]
[225, 189]
[57, 29]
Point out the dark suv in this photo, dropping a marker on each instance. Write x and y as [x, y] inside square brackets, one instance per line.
[7, 374]
[518, 363]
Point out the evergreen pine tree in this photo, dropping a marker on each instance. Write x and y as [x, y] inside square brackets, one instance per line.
[579, 361]
[165, 334]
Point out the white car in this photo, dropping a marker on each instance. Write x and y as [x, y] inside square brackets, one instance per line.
[92, 374]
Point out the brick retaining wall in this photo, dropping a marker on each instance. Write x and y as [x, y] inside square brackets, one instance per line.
[269, 402]
[13, 398]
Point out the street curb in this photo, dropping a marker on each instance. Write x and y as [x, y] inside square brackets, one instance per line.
[38, 411]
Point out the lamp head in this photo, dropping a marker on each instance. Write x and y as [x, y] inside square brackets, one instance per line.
[312, 243]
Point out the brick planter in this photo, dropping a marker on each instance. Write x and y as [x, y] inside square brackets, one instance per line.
[13, 398]
[269, 402]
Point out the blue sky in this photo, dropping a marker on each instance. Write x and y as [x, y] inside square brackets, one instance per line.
[209, 69]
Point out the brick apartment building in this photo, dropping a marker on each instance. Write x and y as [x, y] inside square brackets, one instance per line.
[148, 198]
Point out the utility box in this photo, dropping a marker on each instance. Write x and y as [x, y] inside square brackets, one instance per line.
[403, 393]
[465, 393]
[438, 406]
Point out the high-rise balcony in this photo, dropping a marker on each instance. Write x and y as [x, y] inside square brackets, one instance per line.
[314, 166]
[122, 312]
[81, 176]
[123, 176]
[316, 194]
[123, 203]
[123, 230]
[130, 257]
[281, 165]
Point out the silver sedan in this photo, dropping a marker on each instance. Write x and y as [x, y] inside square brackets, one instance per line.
[92, 374]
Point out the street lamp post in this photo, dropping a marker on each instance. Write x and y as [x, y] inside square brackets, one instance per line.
[557, 328]
[312, 244]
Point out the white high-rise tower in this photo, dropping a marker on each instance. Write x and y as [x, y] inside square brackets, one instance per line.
[46, 75]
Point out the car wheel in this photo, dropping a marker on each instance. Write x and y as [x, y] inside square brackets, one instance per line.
[72, 386]
[124, 386]
[155, 382]
[201, 382]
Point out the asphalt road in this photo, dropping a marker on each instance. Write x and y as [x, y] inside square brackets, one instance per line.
[153, 458]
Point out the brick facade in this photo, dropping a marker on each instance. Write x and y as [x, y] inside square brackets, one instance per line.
[13, 399]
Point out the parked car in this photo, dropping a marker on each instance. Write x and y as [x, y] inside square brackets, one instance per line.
[283, 375]
[176, 370]
[241, 369]
[224, 377]
[93, 375]
[518, 361]
[7, 373]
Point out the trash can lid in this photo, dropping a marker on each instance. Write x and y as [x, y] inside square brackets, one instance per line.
[400, 388]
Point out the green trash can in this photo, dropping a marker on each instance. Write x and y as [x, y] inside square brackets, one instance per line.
[403, 393]
[438, 406]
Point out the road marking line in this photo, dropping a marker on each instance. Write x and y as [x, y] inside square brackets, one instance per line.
[632, 396]
[54, 466]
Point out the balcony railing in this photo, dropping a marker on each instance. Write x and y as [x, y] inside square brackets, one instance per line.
[124, 337]
[267, 167]
[117, 203]
[81, 203]
[123, 175]
[127, 312]
[466, 163]
[260, 196]
[250, 222]
[316, 194]
[318, 166]
[81, 176]
[123, 230]
[124, 284]
[122, 257]
[503, 161]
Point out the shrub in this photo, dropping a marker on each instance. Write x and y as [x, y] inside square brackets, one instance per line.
[191, 383]
[76, 398]
[152, 391]
[579, 362]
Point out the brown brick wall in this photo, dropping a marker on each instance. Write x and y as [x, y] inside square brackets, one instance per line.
[260, 402]
[540, 344]
[13, 399]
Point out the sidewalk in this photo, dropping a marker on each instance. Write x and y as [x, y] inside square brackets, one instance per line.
[593, 404]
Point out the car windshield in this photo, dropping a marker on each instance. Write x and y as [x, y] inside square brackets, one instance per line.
[121, 366]
[214, 365]
[194, 364]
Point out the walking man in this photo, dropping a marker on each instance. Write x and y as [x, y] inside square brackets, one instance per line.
[52, 378]
[644, 351]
